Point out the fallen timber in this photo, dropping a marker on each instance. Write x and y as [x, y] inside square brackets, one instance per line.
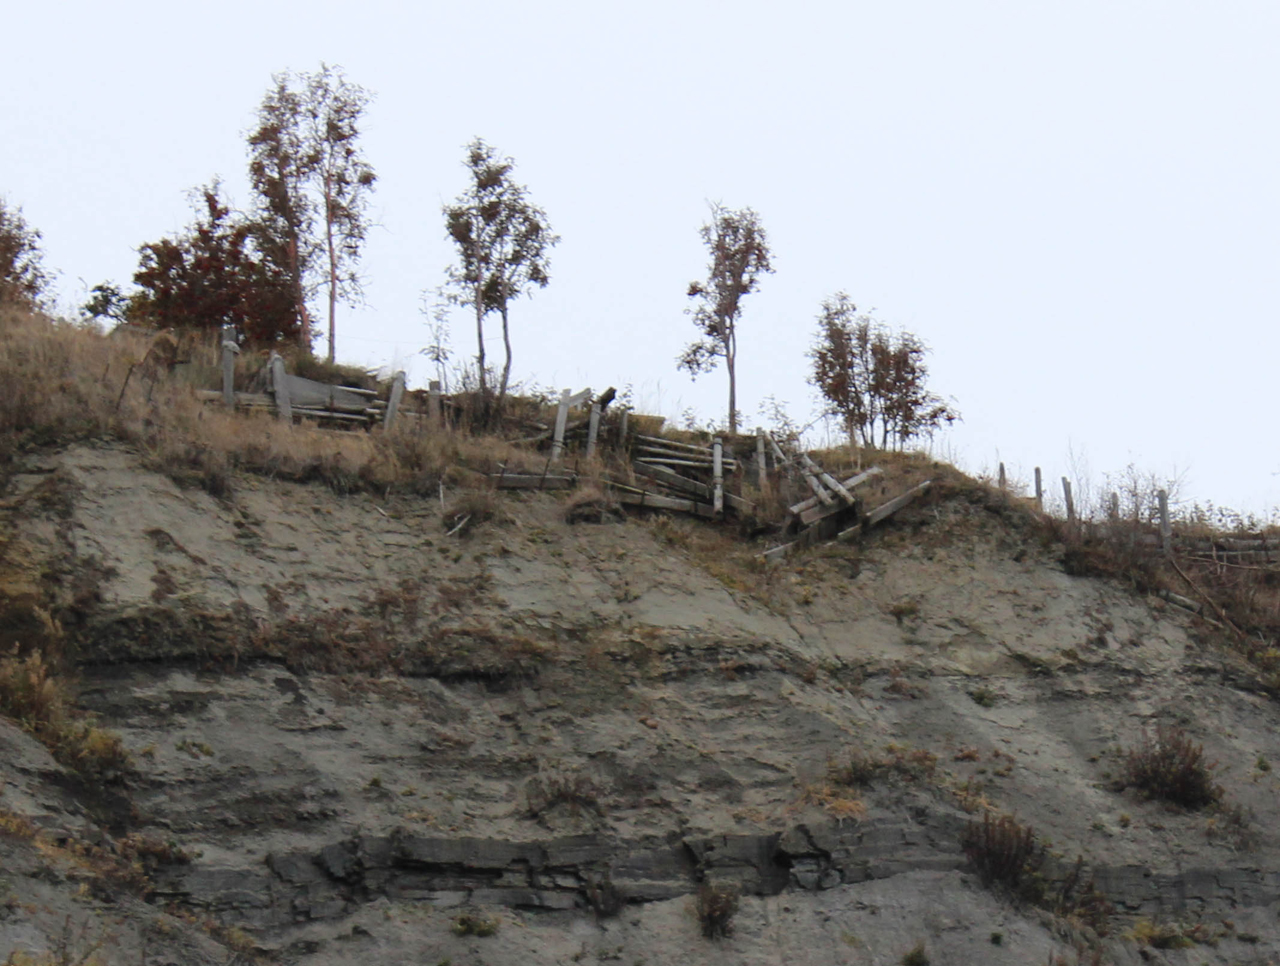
[823, 529]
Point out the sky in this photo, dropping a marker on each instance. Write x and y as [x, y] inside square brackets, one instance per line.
[1076, 205]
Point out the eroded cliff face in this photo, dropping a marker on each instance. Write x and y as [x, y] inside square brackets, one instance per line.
[367, 727]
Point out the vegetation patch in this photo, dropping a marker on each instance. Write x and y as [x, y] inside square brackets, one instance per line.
[716, 905]
[1172, 767]
[39, 700]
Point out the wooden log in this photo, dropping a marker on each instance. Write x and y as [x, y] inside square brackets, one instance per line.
[717, 476]
[674, 444]
[393, 403]
[229, 352]
[593, 429]
[826, 479]
[308, 412]
[622, 429]
[562, 417]
[1004, 480]
[762, 467]
[672, 479]
[886, 510]
[280, 387]
[707, 459]
[434, 410]
[658, 502]
[854, 481]
[1071, 507]
[676, 461]
[780, 456]
[1039, 491]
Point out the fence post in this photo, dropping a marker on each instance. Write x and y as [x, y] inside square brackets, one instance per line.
[1166, 527]
[1071, 507]
[717, 470]
[393, 402]
[434, 411]
[229, 352]
[1039, 491]
[593, 428]
[1114, 513]
[562, 419]
[622, 430]
[280, 388]
[1003, 479]
[762, 461]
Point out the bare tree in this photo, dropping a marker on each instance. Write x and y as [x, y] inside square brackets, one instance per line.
[306, 167]
[504, 244]
[24, 280]
[739, 256]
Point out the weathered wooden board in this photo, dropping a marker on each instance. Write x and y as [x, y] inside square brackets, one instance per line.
[854, 481]
[672, 479]
[886, 510]
[657, 502]
[309, 394]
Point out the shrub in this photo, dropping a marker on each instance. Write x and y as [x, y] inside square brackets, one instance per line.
[468, 924]
[572, 788]
[39, 700]
[606, 899]
[716, 907]
[916, 956]
[1003, 851]
[1172, 767]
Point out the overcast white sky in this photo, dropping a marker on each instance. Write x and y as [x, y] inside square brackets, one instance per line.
[1075, 204]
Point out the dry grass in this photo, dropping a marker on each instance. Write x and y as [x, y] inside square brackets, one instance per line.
[65, 382]
[1172, 767]
[40, 701]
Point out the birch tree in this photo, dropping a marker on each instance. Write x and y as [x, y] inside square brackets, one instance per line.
[313, 186]
[503, 242]
[739, 256]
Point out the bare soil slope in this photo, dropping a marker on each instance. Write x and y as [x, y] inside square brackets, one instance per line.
[368, 728]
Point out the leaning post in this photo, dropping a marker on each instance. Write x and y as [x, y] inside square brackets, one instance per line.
[593, 429]
[1071, 507]
[562, 420]
[393, 401]
[1039, 491]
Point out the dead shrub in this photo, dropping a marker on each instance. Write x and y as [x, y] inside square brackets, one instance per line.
[590, 504]
[469, 511]
[569, 787]
[1172, 767]
[716, 905]
[470, 924]
[1003, 852]
[40, 701]
[606, 899]
[863, 769]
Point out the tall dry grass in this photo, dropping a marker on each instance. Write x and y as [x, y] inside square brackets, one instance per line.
[64, 382]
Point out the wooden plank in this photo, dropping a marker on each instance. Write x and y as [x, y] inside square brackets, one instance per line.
[672, 479]
[675, 444]
[886, 510]
[826, 479]
[780, 456]
[310, 413]
[321, 395]
[393, 404]
[854, 481]
[674, 461]
[817, 513]
[708, 459]
[717, 476]
[657, 502]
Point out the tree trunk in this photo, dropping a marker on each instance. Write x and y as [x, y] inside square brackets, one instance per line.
[506, 366]
[299, 296]
[333, 258]
[730, 357]
[479, 302]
